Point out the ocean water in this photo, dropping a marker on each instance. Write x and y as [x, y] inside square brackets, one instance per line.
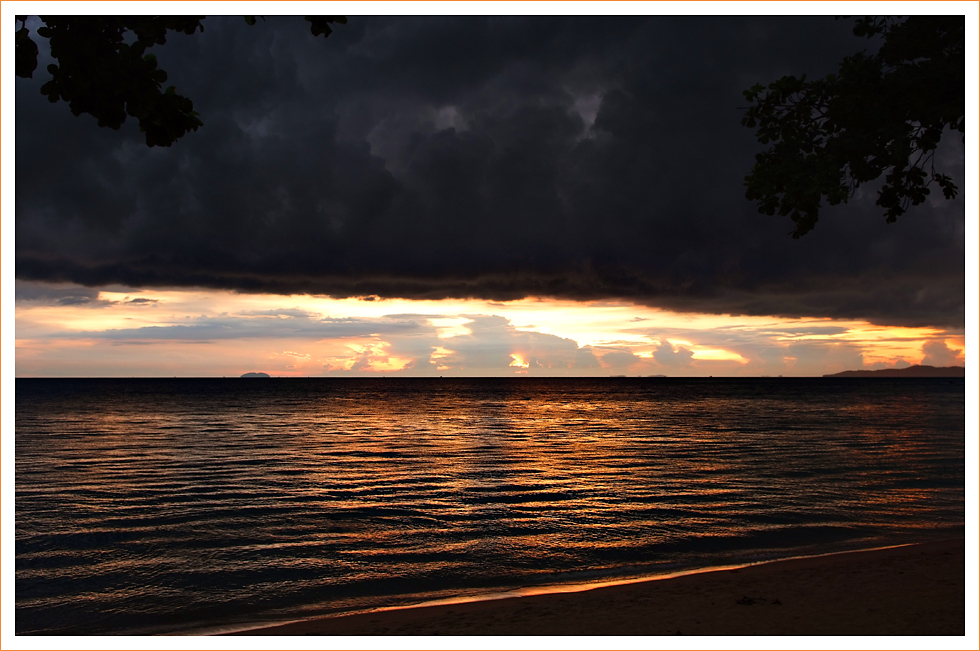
[159, 506]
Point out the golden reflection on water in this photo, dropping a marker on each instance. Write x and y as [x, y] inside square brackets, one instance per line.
[347, 493]
[572, 459]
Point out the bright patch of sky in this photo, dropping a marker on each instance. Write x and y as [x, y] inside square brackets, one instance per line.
[128, 332]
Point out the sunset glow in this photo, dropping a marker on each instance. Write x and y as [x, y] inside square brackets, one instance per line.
[225, 333]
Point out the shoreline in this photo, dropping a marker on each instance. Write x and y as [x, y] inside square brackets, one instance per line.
[905, 589]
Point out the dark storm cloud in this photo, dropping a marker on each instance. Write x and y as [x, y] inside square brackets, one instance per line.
[498, 158]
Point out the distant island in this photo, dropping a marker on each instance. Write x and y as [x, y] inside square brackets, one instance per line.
[911, 371]
[255, 375]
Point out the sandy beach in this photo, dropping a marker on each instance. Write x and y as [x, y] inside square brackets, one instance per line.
[910, 590]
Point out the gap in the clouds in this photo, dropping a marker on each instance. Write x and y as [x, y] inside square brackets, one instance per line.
[119, 331]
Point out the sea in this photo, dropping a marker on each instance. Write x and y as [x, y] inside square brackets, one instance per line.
[193, 506]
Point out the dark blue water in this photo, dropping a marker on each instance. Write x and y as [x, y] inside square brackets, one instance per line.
[163, 506]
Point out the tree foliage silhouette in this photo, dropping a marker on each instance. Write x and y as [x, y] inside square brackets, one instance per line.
[880, 114]
[98, 72]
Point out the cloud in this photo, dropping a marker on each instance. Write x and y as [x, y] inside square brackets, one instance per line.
[255, 326]
[618, 359]
[671, 356]
[40, 294]
[493, 343]
[486, 344]
[938, 353]
[283, 312]
[817, 358]
[492, 157]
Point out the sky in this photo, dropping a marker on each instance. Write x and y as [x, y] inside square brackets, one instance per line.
[466, 196]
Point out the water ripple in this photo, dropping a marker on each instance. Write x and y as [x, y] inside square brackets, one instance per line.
[149, 506]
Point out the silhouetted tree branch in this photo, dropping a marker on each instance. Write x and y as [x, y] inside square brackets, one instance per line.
[99, 73]
[881, 114]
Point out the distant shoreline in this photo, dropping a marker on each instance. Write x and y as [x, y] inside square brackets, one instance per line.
[911, 371]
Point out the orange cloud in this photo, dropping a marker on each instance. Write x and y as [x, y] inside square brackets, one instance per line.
[221, 333]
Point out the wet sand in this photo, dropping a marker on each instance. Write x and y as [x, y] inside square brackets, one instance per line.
[911, 590]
